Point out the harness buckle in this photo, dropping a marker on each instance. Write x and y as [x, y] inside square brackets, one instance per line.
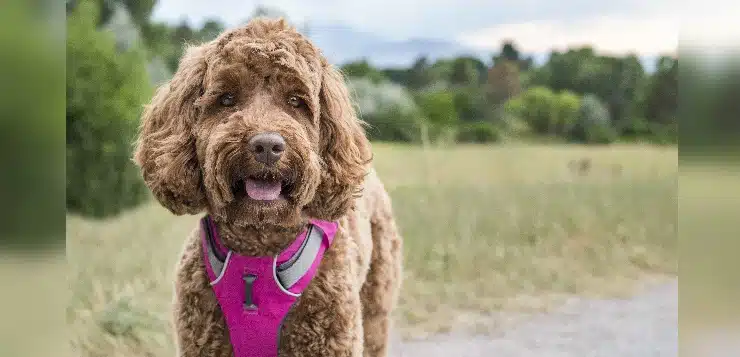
[248, 298]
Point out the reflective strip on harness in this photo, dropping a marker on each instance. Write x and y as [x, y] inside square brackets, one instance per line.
[291, 271]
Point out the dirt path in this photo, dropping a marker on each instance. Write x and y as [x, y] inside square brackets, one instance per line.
[641, 326]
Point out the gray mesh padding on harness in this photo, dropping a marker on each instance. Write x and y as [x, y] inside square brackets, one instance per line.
[289, 272]
[216, 265]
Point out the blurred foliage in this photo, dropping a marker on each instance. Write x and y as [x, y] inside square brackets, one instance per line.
[388, 109]
[576, 95]
[478, 132]
[544, 111]
[710, 109]
[140, 10]
[31, 103]
[618, 82]
[593, 125]
[168, 42]
[106, 89]
[503, 83]
[470, 104]
[363, 69]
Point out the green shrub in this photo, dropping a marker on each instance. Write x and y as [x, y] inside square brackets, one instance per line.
[639, 129]
[545, 111]
[440, 114]
[106, 89]
[593, 125]
[393, 124]
[389, 110]
[438, 107]
[478, 132]
[566, 109]
[536, 107]
[470, 104]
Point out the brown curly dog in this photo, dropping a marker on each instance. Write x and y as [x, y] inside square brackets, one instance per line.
[196, 152]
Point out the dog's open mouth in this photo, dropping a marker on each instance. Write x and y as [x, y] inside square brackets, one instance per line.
[262, 188]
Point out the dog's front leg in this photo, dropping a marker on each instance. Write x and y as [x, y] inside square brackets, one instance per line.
[327, 319]
[200, 330]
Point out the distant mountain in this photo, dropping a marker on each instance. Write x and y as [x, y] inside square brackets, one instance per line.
[342, 44]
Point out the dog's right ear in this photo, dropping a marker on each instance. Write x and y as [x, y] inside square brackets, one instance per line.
[165, 148]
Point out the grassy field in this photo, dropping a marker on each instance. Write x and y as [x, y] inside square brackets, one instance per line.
[485, 228]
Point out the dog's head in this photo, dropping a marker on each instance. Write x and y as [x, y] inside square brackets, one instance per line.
[257, 128]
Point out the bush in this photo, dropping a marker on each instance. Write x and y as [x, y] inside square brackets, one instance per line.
[393, 124]
[106, 88]
[536, 107]
[593, 125]
[637, 129]
[363, 69]
[545, 111]
[566, 109]
[438, 107]
[440, 114]
[478, 132]
[470, 104]
[389, 110]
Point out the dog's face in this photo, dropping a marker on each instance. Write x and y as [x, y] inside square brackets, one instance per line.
[256, 127]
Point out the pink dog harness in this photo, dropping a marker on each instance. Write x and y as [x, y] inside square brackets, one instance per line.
[256, 293]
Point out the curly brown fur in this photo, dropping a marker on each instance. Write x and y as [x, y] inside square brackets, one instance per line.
[194, 155]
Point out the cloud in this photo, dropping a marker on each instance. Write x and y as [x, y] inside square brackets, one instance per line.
[401, 20]
[646, 36]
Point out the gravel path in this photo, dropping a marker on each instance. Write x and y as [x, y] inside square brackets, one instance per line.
[645, 325]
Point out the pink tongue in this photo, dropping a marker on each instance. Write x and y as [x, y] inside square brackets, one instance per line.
[262, 190]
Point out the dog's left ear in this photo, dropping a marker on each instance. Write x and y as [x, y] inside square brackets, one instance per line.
[344, 149]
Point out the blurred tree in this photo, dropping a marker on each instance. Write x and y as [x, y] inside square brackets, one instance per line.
[105, 93]
[210, 30]
[617, 81]
[545, 111]
[503, 83]
[567, 106]
[594, 125]
[438, 107]
[419, 74]
[168, 42]
[388, 108]
[140, 10]
[661, 100]
[536, 106]
[509, 52]
[478, 132]
[470, 103]
[363, 69]
[398, 75]
[467, 71]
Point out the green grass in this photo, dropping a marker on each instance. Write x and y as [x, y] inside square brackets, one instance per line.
[485, 229]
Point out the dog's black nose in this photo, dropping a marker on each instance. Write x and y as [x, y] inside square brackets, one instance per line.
[267, 147]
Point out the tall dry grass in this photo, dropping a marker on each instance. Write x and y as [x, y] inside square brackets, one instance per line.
[486, 229]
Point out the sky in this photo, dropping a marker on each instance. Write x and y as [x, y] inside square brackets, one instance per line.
[643, 27]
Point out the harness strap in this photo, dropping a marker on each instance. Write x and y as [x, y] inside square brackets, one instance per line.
[216, 257]
[291, 271]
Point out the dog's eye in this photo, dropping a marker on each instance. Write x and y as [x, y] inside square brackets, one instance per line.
[296, 101]
[227, 100]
